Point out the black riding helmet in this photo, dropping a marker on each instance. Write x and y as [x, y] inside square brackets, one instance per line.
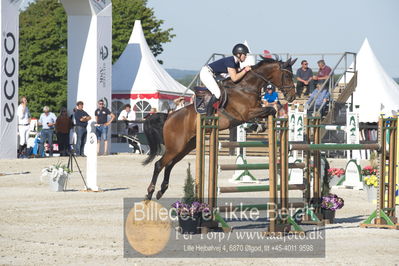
[270, 87]
[240, 49]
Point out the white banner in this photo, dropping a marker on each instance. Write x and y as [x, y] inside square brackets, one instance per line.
[353, 135]
[299, 126]
[352, 128]
[9, 77]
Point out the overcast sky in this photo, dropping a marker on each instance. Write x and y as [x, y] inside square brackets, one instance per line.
[208, 26]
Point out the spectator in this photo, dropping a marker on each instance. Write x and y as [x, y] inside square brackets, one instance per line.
[47, 121]
[63, 125]
[129, 116]
[304, 76]
[152, 111]
[322, 97]
[23, 125]
[102, 124]
[324, 72]
[271, 96]
[81, 118]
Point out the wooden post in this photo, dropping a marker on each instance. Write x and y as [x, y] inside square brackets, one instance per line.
[272, 209]
[381, 171]
[284, 164]
[307, 161]
[213, 164]
[392, 170]
[200, 160]
[317, 164]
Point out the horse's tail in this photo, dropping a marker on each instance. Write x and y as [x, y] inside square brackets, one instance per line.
[153, 128]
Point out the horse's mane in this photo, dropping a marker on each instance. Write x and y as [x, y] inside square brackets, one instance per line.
[266, 61]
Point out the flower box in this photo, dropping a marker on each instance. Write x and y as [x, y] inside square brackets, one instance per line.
[57, 176]
[191, 216]
[328, 215]
[190, 224]
[58, 184]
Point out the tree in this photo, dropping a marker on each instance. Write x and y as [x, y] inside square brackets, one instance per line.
[124, 13]
[43, 47]
[43, 55]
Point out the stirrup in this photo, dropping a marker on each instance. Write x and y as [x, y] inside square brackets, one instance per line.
[213, 105]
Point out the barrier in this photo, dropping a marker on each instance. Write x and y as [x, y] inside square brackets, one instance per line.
[383, 217]
[275, 203]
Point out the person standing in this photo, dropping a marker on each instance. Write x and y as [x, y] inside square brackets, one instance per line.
[63, 125]
[81, 119]
[102, 124]
[129, 116]
[304, 76]
[47, 121]
[227, 66]
[23, 124]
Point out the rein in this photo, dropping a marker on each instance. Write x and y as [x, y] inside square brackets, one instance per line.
[269, 82]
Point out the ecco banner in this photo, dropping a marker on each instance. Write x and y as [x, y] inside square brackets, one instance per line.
[9, 78]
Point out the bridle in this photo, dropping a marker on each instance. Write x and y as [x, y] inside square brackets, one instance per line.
[267, 81]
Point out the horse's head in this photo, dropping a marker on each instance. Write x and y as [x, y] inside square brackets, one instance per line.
[280, 74]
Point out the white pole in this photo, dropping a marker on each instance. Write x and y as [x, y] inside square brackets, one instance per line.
[89, 65]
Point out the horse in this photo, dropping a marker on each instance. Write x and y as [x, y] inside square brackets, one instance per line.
[177, 131]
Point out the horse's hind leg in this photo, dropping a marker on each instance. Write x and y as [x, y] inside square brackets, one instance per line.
[157, 169]
[166, 160]
[165, 183]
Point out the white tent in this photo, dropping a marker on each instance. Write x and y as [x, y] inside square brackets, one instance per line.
[376, 91]
[138, 78]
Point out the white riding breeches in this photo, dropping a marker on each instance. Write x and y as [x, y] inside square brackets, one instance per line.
[23, 134]
[207, 77]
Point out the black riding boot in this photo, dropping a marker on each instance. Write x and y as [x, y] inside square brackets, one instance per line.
[212, 106]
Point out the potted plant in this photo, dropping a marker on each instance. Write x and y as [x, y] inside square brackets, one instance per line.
[190, 212]
[335, 175]
[329, 205]
[370, 184]
[368, 171]
[57, 175]
[191, 215]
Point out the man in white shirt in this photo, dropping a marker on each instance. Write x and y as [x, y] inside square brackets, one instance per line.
[23, 124]
[47, 121]
[128, 116]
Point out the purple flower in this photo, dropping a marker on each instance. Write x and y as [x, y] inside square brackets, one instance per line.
[193, 209]
[332, 202]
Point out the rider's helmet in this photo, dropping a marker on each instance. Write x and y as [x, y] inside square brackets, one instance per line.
[240, 49]
[270, 87]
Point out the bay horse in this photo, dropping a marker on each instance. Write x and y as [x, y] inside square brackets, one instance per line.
[177, 130]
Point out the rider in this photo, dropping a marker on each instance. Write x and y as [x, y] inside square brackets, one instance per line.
[227, 66]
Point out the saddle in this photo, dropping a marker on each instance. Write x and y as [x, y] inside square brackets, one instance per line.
[203, 97]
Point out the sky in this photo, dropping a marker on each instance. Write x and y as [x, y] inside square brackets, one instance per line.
[285, 26]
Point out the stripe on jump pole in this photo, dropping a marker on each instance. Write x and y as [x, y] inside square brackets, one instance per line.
[256, 166]
[238, 189]
[307, 147]
[246, 207]
[245, 144]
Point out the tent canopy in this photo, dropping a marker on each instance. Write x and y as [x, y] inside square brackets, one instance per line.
[138, 74]
[376, 91]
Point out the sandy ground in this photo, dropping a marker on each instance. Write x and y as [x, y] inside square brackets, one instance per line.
[38, 226]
